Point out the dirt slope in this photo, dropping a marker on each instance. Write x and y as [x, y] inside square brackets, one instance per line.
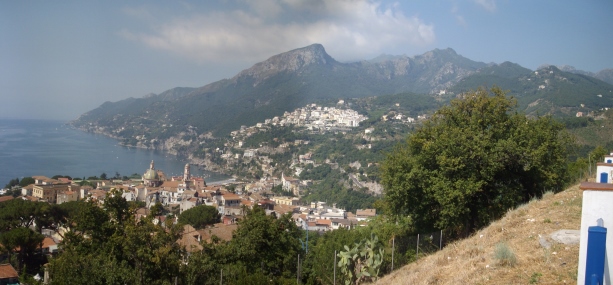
[473, 260]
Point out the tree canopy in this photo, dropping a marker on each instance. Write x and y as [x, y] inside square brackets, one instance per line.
[473, 160]
[199, 216]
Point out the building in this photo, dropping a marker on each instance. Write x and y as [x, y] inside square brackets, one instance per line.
[362, 215]
[152, 177]
[67, 196]
[48, 192]
[8, 275]
[291, 201]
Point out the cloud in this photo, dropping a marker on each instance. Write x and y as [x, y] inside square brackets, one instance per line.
[349, 29]
[488, 5]
[460, 20]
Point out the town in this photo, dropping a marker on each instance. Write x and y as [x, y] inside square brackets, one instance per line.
[180, 193]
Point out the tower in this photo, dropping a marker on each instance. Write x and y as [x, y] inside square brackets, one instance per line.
[186, 174]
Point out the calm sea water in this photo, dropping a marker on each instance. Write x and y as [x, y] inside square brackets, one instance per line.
[40, 147]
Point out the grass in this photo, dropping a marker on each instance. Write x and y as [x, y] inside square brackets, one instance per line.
[534, 279]
[475, 260]
[504, 255]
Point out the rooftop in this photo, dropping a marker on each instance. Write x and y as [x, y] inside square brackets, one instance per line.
[7, 271]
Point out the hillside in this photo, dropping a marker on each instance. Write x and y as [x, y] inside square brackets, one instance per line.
[281, 83]
[473, 260]
[547, 90]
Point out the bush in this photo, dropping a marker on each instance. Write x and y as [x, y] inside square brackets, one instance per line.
[505, 255]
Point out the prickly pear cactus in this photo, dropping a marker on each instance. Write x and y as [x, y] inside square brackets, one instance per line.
[362, 261]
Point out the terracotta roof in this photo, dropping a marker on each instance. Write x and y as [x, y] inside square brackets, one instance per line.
[230, 196]
[345, 222]
[6, 198]
[47, 242]
[290, 179]
[189, 239]
[324, 222]
[282, 209]
[366, 212]
[40, 177]
[171, 184]
[7, 271]
[31, 198]
[596, 186]
[220, 230]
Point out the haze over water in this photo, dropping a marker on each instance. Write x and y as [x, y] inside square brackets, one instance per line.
[44, 147]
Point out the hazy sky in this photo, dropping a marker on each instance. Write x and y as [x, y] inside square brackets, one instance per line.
[59, 59]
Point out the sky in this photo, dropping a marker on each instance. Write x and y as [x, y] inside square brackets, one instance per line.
[59, 59]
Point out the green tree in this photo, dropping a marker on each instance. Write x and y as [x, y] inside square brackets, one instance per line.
[26, 181]
[200, 216]
[12, 182]
[266, 244]
[106, 242]
[472, 161]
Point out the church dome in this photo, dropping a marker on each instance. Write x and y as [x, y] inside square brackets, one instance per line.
[151, 174]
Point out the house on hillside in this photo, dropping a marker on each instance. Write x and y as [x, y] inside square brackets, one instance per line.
[8, 275]
[365, 214]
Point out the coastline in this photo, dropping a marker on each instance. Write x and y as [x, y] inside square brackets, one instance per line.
[200, 163]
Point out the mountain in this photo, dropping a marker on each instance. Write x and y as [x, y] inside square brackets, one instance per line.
[605, 75]
[547, 90]
[281, 83]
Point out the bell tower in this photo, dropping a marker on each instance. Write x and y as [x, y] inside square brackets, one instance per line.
[186, 174]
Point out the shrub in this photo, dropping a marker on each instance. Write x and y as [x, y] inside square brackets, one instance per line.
[505, 255]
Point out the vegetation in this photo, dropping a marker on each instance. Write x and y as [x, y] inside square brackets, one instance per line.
[473, 260]
[200, 216]
[333, 190]
[472, 161]
[504, 255]
[362, 261]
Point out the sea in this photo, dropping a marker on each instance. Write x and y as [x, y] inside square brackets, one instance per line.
[48, 148]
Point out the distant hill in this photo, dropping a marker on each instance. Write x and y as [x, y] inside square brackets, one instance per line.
[272, 87]
[605, 75]
[547, 90]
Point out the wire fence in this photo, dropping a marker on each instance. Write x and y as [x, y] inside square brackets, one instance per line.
[403, 250]
[398, 251]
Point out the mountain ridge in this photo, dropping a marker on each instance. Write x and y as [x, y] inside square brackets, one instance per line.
[292, 79]
[282, 83]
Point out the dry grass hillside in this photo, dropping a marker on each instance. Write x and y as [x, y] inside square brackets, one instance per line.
[485, 257]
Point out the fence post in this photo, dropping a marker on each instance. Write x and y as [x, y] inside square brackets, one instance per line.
[221, 278]
[393, 248]
[440, 245]
[417, 250]
[334, 268]
[298, 271]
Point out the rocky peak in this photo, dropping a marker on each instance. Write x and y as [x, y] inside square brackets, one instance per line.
[289, 61]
